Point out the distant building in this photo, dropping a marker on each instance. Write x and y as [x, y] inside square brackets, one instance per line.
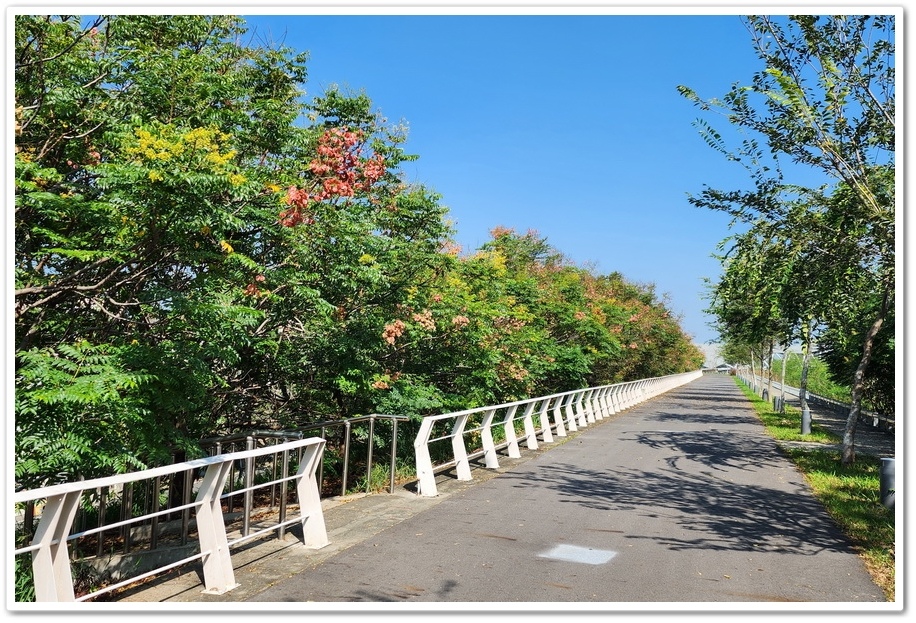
[725, 369]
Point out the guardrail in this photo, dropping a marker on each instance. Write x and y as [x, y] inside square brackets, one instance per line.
[52, 568]
[342, 454]
[876, 420]
[570, 410]
[124, 527]
[337, 434]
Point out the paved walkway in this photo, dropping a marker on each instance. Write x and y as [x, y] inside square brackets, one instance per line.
[683, 498]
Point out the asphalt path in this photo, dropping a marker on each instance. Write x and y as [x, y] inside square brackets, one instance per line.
[683, 498]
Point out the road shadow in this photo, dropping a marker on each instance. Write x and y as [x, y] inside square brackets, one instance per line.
[719, 514]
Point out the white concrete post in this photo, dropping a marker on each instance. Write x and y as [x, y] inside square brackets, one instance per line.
[314, 532]
[625, 395]
[486, 437]
[544, 421]
[558, 417]
[603, 395]
[611, 399]
[582, 416]
[511, 438]
[51, 561]
[594, 404]
[426, 479]
[218, 574]
[592, 409]
[459, 451]
[531, 438]
[570, 416]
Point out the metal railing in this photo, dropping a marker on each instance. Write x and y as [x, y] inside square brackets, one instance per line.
[243, 474]
[876, 420]
[343, 444]
[56, 508]
[570, 411]
[117, 520]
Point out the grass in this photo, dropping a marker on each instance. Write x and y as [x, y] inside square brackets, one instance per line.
[850, 493]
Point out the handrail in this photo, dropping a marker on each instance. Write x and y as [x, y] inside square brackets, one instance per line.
[321, 428]
[570, 411]
[875, 420]
[51, 564]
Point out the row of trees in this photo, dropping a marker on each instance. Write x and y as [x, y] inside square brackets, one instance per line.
[814, 265]
[199, 250]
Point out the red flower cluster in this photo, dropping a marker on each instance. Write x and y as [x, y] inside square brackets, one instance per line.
[252, 289]
[461, 321]
[298, 201]
[339, 171]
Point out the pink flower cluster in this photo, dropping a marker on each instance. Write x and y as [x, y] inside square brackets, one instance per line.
[393, 331]
[339, 171]
[298, 200]
[252, 289]
[499, 231]
[425, 320]
[383, 383]
[338, 162]
[517, 372]
[450, 248]
[460, 321]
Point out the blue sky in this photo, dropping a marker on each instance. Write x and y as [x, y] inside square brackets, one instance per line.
[567, 124]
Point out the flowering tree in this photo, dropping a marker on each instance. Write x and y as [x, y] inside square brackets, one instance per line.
[516, 319]
[180, 238]
[193, 258]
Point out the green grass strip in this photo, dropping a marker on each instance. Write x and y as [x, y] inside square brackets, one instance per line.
[851, 494]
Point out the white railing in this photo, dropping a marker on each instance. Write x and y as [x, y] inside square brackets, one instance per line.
[569, 411]
[51, 560]
[876, 420]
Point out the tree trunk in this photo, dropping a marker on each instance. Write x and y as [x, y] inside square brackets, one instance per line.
[806, 365]
[770, 373]
[753, 371]
[782, 380]
[858, 384]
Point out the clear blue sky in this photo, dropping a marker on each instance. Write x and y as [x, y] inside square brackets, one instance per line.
[567, 124]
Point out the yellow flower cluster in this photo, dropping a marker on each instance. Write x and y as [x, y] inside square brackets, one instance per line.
[494, 258]
[152, 148]
[200, 144]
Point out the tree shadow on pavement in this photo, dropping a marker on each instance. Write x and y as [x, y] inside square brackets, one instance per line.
[693, 487]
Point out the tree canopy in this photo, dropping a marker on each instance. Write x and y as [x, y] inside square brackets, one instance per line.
[813, 257]
[200, 249]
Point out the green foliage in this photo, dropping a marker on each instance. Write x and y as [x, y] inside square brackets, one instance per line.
[787, 426]
[77, 414]
[201, 250]
[24, 589]
[819, 380]
[814, 264]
